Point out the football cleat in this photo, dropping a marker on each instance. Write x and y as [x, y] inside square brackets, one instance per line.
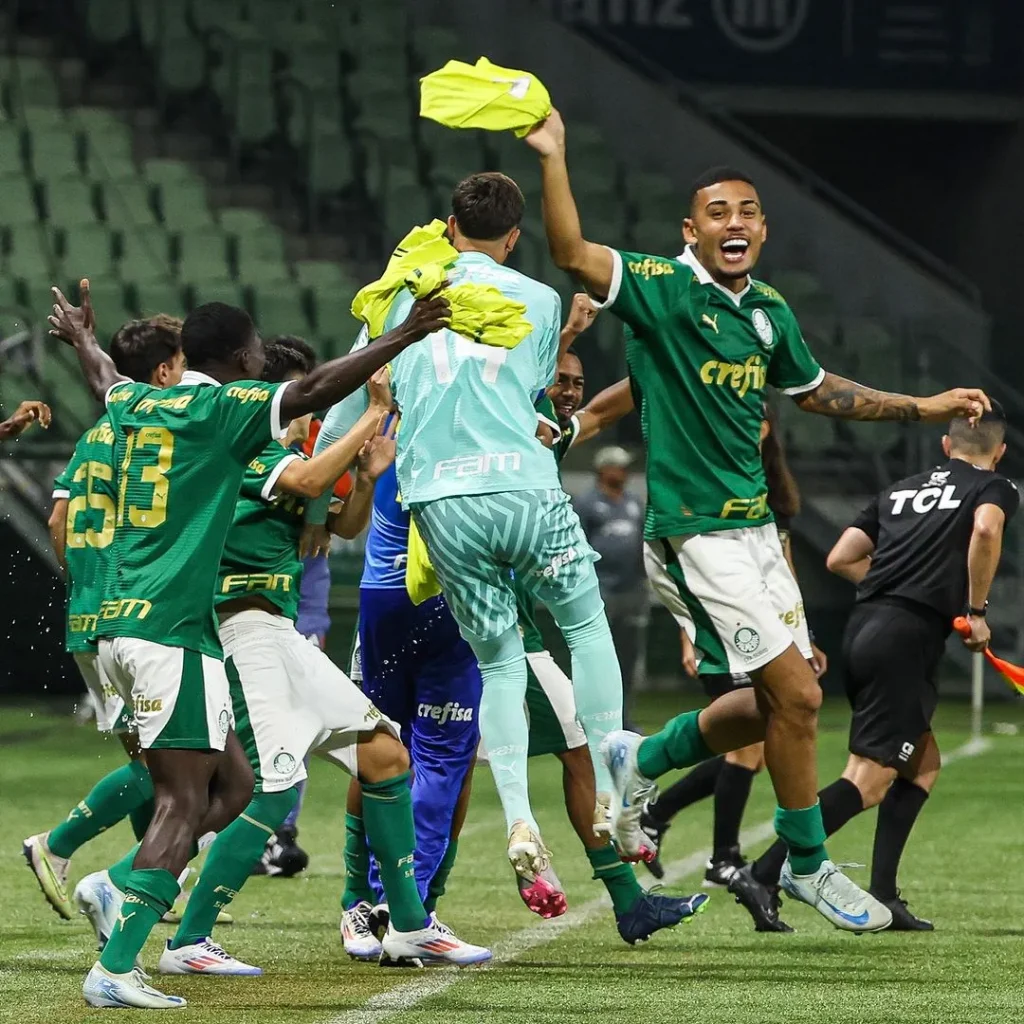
[653, 911]
[120, 991]
[435, 944]
[202, 957]
[51, 872]
[655, 830]
[721, 870]
[761, 901]
[282, 856]
[836, 898]
[539, 887]
[632, 790]
[359, 941]
[173, 916]
[902, 919]
[99, 900]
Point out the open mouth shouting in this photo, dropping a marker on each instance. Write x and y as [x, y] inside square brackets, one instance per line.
[734, 249]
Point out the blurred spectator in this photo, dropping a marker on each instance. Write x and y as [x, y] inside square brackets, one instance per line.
[613, 519]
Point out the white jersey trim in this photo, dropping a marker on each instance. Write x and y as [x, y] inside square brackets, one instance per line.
[267, 492]
[575, 422]
[616, 282]
[804, 388]
[116, 384]
[277, 428]
[61, 493]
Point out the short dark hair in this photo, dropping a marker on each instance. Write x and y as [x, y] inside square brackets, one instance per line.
[571, 351]
[214, 332]
[487, 206]
[987, 435]
[140, 346]
[713, 176]
[286, 354]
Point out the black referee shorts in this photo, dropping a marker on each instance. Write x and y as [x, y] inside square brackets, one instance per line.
[718, 684]
[892, 650]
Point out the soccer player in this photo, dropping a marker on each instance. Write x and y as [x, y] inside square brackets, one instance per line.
[704, 340]
[24, 416]
[485, 496]
[729, 777]
[181, 459]
[923, 552]
[81, 529]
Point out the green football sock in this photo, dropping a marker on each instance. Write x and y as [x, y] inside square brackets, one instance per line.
[387, 814]
[120, 871]
[618, 878]
[437, 884]
[678, 745]
[149, 894]
[357, 864]
[803, 832]
[112, 798]
[229, 863]
[140, 818]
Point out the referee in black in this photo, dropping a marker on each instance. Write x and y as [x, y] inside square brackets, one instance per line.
[923, 552]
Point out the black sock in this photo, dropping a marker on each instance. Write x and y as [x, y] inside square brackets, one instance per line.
[698, 784]
[731, 794]
[896, 816]
[840, 801]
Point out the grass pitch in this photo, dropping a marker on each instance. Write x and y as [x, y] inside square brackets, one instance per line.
[960, 869]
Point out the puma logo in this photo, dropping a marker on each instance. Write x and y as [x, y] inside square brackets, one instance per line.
[123, 918]
[711, 321]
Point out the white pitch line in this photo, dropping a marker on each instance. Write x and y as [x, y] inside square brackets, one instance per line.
[385, 1005]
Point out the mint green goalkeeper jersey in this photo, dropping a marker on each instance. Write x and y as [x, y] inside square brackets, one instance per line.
[468, 421]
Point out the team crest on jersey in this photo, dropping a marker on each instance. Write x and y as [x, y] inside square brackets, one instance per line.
[747, 640]
[763, 326]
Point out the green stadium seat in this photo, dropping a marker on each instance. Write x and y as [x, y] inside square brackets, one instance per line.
[84, 251]
[101, 120]
[332, 311]
[269, 17]
[104, 167]
[217, 291]
[647, 187]
[313, 106]
[17, 201]
[28, 251]
[255, 115]
[258, 272]
[107, 144]
[202, 256]
[180, 55]
[321, 274]
[164, 171]
[11, 162]
[184, 206]
[108, 21]
[280, 310]
[434, 46]
[45, 119]
[143, 255]
[379, 94]
[54, 153]
[152, 297]
[330, 167]
[69, 201]
[63, 380]
[453, 154]
[659, 237]
[242, 220]
[379, 23]
[406, 207]
[31, 84]
[216, 13]
[108, 297]
[127, 203]
[265, 244]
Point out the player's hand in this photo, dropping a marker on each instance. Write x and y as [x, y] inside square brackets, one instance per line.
[581, 314]
[74, 324]
[818, 660]
[427, 315]
[24, 416]
[958, 403]
[315, 541]
[689, 658]
[548, 137]
[980, 633]
[379, 386]
[378, 453]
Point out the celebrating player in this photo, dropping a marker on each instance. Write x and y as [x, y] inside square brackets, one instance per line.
[924, 551]
[705, 339]
[82, 528]
[181, 459]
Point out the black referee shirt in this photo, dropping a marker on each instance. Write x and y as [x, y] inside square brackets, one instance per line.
[922, 528]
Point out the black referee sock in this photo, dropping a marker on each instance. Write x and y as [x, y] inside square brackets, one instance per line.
[698, 784]
[840, 801]
[731, 794]
[896, 816]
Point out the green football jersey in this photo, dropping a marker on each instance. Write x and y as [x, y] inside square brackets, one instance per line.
[261, 555]
[525, 602]
[181, 454]
[699, 358]
[89, 486]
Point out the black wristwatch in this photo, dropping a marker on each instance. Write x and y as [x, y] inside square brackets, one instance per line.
[978, 613]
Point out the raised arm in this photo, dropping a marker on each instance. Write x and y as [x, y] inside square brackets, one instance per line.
[77, 326]
[591, 263]
[848, 400]
[24, 416]
[851, 556]
[377, 455]
[581, 316]
[332, 381]
[982, 561]
[604, 409]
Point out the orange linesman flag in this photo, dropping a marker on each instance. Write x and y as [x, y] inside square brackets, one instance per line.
[1013, 674]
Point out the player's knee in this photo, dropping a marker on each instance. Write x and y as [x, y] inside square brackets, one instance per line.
[382, 757]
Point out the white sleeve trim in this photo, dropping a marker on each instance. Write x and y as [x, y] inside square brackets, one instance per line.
[575, 421]
[267, 493]
[277, 428]
[60, 492]
[553, 424]
[116, 384]
[613, 288]
[804, 388]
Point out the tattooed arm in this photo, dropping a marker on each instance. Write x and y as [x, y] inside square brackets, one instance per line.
[848, 400]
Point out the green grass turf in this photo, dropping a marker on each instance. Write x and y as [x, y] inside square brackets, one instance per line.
[960, 869]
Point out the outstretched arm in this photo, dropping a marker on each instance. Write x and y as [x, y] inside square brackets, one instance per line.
[334, 380]
[77, 326]
[604, 409]
[591, 263]
[848, 400]
[24, 416]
